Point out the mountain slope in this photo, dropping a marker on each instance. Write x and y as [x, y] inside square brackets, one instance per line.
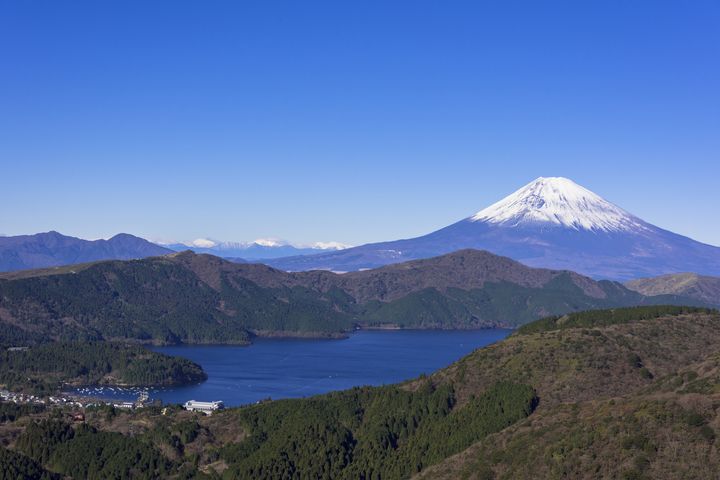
[700, 287]
[549, 223]
[558, 202]
[634, 399]
[193, 298]
[54, 249]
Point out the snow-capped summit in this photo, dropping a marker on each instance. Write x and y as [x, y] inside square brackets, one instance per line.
[203, 243]
[561, 202]
[329, 245]
[269, 242]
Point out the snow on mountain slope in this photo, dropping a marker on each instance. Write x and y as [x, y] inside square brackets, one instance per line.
[203, 243]
[562, 202]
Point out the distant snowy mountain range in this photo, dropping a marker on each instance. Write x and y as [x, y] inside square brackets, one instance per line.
[262, 248]
[551, 223]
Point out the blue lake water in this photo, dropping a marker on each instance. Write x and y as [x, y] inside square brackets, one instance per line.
[291, 368]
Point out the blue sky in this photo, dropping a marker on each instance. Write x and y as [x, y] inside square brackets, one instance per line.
[350, 121]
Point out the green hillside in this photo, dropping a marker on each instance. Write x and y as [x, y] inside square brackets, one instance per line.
[202, 299]
[627, 394]
[622, 393]
[45, 368]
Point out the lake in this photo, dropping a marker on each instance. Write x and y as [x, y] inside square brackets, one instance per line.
[291, 368]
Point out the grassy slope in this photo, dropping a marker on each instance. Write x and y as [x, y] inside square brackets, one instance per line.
[631, 400]
[700, 287]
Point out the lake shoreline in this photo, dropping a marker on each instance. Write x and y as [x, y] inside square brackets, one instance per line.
[292, 367]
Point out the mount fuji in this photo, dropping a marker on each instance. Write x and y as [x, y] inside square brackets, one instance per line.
[550, 222]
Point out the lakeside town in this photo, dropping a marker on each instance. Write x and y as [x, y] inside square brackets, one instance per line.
[72, 400]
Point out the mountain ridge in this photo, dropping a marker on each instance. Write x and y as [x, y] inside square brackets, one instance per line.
[465, 268]
[700, 287]
[52, 249]
[198, 298]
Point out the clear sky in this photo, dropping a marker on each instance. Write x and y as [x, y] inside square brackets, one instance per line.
[350, 121]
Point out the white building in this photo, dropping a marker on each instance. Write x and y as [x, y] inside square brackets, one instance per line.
[204, 407]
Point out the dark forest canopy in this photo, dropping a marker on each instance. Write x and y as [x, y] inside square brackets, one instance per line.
[44, 368]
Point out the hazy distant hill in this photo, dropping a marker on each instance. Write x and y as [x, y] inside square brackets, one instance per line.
[700, 287]
[549, 223]
[186, 297]
[53, 249]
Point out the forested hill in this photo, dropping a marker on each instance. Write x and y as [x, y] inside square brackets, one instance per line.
[193, 298]
[44, 369]
[622, 393]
